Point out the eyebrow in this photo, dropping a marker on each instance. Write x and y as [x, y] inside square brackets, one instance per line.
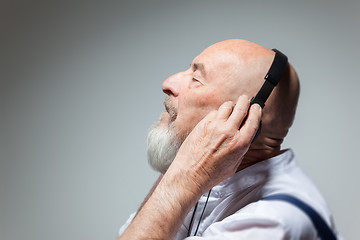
[201, 67]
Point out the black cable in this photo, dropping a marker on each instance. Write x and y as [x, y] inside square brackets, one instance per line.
[207, 199]
[191, 221]
[193, 215]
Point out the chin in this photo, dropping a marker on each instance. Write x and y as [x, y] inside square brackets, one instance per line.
[162, 144]
[164, 119]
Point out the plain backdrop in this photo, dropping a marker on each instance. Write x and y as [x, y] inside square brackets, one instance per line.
[80, 84]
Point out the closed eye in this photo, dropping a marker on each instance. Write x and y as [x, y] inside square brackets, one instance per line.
[196, 82]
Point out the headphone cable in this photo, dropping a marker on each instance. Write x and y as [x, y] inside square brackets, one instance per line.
[193, 215]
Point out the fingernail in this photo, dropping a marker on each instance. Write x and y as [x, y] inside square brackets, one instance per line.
[245, 96]
[256, 106]
[230, 103]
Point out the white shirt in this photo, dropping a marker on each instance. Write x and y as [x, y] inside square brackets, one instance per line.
[235, 209]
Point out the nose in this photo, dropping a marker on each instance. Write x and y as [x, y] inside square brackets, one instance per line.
[171, 86]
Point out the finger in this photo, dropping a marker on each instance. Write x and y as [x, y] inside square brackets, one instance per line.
[239, 112]
[211, 115]
[248, 130]
[225, 110]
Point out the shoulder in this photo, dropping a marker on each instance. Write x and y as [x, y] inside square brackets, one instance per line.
[265, 220]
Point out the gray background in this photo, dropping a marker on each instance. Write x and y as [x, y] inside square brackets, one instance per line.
[81, 84]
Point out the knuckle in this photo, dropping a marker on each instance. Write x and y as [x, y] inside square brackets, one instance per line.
[241, 109]
[227, 130]
[208, 125]
[253, 123]
[244, 140]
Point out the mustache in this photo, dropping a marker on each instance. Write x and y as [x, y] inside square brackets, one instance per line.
[170, 109]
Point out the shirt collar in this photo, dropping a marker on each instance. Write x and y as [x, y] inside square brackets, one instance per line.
[254, 175]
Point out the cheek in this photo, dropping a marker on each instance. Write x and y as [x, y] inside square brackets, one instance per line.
[206, 103]
[197, 105]
[194, 107]
[210, 101]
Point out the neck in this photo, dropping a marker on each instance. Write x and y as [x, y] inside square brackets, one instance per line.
[259, 151]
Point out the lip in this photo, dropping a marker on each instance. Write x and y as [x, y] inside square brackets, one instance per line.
[172, 112]
[166, 108]
[166, 105]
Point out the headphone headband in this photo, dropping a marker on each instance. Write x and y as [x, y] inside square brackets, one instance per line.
[272, 78]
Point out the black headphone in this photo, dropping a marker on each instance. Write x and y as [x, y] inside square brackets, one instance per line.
[272, 78]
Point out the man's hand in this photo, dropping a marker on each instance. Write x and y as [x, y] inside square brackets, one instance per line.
[215, 148]
[211, 153]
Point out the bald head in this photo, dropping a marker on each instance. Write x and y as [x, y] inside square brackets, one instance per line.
[250, 63]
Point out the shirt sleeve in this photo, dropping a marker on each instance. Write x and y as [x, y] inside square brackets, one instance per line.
[127, 223]
[264, 220]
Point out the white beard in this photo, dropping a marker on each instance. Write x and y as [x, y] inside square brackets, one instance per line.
[162, 147]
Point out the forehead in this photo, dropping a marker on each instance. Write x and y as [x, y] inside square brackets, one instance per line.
[217, 63]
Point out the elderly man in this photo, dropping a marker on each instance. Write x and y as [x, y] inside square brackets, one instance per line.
[218, 179]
